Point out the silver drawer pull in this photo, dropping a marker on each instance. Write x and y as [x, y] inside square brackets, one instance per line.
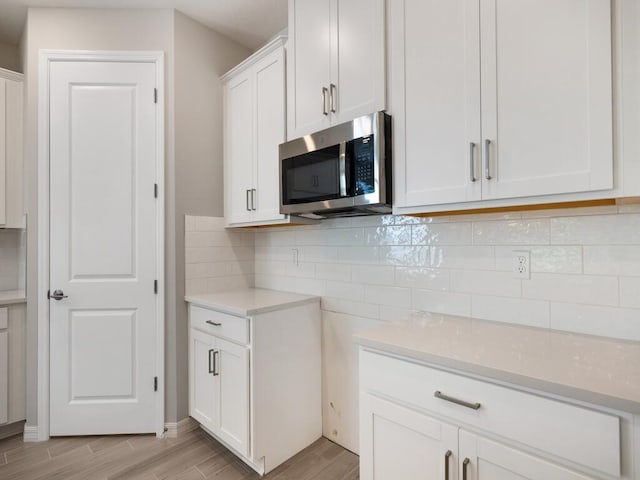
[215, 324]
[442, 396]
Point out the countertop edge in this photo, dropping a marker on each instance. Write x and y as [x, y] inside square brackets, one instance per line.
[242, 312]
[497, 375]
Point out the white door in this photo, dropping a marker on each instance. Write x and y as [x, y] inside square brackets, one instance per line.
[309, 66]
[3, 150]
[269, 133]
[435, 101]
[103, 248]
[546, 96]
[399, 443]
[239, 148]
[358, 59]
[484, 459]
[203, 381]
[232, 368]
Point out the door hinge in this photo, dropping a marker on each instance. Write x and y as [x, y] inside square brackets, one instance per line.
[155, 287]
[155, 190]
[155, 384]
[155, 95]
[48, 294]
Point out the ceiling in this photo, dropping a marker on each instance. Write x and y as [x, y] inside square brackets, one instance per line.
[248, 22]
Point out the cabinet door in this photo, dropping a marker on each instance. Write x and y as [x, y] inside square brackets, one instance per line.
[435, 101]
[398, 443]
[239, 148]
[489, 460]
[13, 154]
[546, 96]
[358, 55]
[204, 403]
[3, 148]
[4, 375]
[269, 133]
[309, 66]
[232, 366]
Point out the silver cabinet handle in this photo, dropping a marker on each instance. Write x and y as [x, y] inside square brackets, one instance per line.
[247, 200]
[465, 464]
[215, 363]
[487, 159]
[472, 162]
[211, 368]
[253, 199]
[215, 324]
[325, 91]
[446, 464]
[442, 396]
[332, 97]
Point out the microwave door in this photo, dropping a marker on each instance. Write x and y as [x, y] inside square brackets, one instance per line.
[312, 177]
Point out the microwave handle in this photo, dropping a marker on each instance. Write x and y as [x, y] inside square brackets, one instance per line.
[342, 165]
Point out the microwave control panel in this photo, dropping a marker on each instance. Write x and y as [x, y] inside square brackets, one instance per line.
[363, 165]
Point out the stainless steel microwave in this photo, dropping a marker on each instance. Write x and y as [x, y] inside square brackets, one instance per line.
[344, 170]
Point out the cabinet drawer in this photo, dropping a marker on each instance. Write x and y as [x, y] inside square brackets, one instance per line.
[220, 324]
[580, 435]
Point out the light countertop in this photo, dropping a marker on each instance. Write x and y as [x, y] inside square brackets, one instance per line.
[596, 370]
[10, 297]
[250, 301]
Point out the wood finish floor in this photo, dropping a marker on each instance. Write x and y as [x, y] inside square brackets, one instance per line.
[192, 456]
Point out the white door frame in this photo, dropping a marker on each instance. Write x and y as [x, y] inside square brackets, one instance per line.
[46, 58]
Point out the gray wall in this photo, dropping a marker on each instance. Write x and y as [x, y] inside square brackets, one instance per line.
[201, 56]
[192, 150]
[9, 57]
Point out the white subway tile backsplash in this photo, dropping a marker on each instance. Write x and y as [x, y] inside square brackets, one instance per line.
[384, 295]
[344, 290]
[405, 256]
[442, 302]
[441, 234]
[630, 292]
[396, 235]
[534, 313]
[334, 271]
[485, 283]
[622, 229]
[596, 320]
[511, 232]
[583, 289]
[612, 260]
[585, 265]
[463, 257]
[552, 259]
[358, 309]
[424, 278]
[373, 274]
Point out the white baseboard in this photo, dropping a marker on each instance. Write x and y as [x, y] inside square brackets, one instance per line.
[176, 429]
[31, 434]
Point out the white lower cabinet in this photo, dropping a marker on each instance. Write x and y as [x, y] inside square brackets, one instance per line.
[418, 422]
[255, 381]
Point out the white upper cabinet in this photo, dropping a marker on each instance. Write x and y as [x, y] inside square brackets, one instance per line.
[11, 111]
[336, 62]
[254, 126]
[496, 99]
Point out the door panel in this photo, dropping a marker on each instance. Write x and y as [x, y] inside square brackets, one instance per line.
[547, 96]
[3, 149]
[489, 460]
[435, 69]
[397, 442]
[103, 242]
[204, 404]
[233, 369]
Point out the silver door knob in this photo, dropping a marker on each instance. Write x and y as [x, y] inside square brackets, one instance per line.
[58, 295]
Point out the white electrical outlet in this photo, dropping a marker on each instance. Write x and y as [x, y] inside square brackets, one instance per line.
[294, 256]
[521, 264]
